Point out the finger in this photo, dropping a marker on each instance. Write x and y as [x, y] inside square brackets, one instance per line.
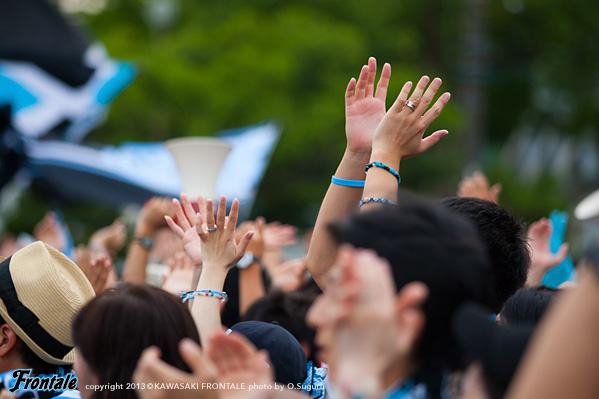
[191, 353]
[174, 227]
[362, 83]
[562, 253]
[209, 213]
[433, 139]
[233, 215]
[401, 99]
[181, 217]
[371, 76]
[436, 109]
[243, 243]
[350, 93]
[221, 212]
[188, 208]
[202, 210]
[259, 226]
[428, 96]
[417, 94]
[383, 85]
[496, 189]
[201, 227]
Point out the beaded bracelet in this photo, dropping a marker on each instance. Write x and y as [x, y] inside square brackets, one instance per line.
[185, 295]
[386, 167]
[347, 183]
[376, 199]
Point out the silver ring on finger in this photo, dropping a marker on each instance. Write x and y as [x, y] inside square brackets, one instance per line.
[411, 105]
[211, 229]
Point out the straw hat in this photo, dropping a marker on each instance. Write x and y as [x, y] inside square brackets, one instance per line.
[41, 291]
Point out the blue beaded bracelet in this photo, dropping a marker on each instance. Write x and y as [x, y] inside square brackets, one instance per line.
[386, 167]
[347, 183]
[376, 199]
[186, 295]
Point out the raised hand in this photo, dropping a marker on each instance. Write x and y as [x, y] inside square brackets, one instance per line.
[152, 373]
[239, 362]
[110, 238]
[219, 248]
[151, 217]
[186, 229]
[402, 129]
[50, 231]
[180, 275]
[541, 257]
[97, 269]
[365, 107]
[478, 186]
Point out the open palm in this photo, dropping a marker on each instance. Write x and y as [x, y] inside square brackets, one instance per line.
[364, 109]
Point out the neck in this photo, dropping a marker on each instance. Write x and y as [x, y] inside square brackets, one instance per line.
[9, 363]
[398, 371]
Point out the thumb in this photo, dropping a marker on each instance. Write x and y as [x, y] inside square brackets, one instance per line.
[562, 252]
[244, 242]
[433, 139]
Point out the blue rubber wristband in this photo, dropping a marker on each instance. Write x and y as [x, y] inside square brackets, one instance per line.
[347, 183]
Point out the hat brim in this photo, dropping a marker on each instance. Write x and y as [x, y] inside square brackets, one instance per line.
[67, 360]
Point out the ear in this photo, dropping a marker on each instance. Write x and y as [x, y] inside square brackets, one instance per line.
[8, 339]
[409, 315]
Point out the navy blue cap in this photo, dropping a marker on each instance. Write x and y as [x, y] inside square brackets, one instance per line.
[286, 354]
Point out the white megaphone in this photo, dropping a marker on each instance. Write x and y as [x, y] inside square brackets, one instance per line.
[199, 160]
[589, 207]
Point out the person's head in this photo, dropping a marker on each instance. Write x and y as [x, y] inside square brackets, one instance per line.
[423, 243]
[527, 305]
[112, 330]
[289, 310]
[41, 291]
[504, 239]
[285, 352]
[494, 351]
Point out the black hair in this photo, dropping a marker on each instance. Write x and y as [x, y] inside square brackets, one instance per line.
[424, 242]
[33, 361]
[114, 328]
[289, 310]
[503, 236]
[527, 305]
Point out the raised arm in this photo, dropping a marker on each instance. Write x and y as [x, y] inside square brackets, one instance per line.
[364, 109]
[399, 136]
[219, 253]
[150, 219]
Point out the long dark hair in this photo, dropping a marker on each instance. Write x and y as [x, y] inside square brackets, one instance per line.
[114, 328]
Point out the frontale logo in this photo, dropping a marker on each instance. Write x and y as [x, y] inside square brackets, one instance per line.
[56, 383]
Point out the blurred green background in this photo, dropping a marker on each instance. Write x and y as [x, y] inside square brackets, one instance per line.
[521, 72]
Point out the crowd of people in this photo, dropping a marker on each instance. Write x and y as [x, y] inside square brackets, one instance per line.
[397, 297]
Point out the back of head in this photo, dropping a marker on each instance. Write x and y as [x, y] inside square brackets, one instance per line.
[504, 239]
[289, 310]
[112, 330]
[528, 305]
[424, 242]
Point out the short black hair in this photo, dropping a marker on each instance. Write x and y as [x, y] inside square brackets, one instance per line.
[528, 305]
[33, 361]
[289, 310]
[425, 242]
[503, 236]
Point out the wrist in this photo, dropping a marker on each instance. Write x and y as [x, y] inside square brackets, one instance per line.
[143, 229]
[387, 158]
[357, 155]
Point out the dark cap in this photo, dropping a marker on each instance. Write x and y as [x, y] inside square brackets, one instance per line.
[286, 354]
[498, 348]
